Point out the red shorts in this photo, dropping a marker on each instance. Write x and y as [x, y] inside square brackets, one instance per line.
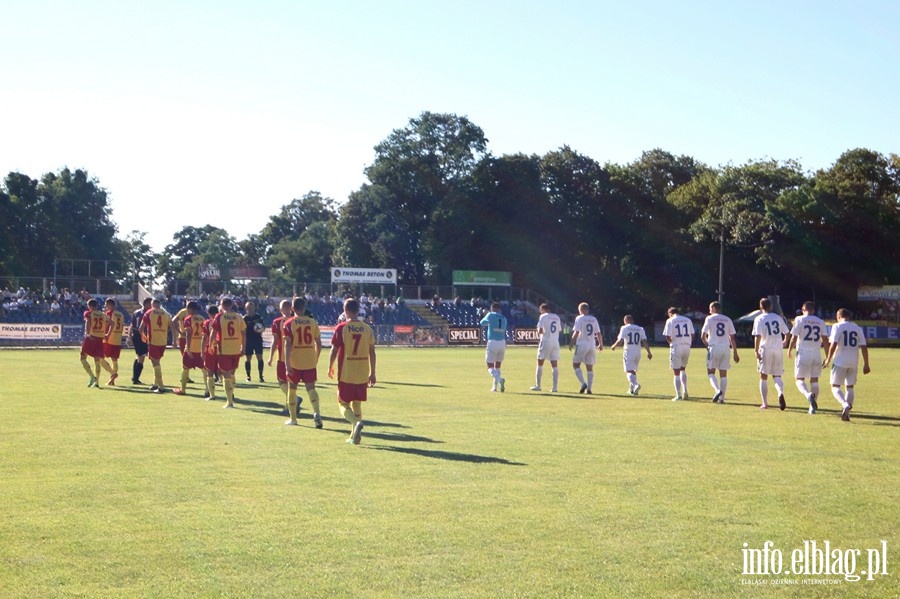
[111, 351]
[229, 363]
[182, 343]
[192, 361]
[210, 362]
[281, 373]
[93, 347]
[156, 351]
[348, 392]
[306, 376]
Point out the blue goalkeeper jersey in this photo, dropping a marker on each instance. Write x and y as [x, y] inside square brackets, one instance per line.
[496, 326]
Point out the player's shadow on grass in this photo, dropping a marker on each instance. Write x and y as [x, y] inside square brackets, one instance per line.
[406, 384]
[271, 408]
[446, 455]
[401, 437]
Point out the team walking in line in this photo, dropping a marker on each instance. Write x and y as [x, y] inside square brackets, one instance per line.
[213, 343]
[771, 334]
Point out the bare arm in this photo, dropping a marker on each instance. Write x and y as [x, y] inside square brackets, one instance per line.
[331, 358]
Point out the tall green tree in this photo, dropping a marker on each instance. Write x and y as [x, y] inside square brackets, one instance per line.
[65, 215]
[139, 257]
[664, 265]
[372, 233]
[418, 166]
[733, 209]
[177, 259]
[858, 218]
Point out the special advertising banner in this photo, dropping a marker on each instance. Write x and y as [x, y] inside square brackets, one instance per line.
[419, 336]
[527, 336]
[465, 336]
[350, 274]
[326, 333]
[30, 331]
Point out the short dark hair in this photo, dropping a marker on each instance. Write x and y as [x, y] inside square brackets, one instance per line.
[212, 309]
[299, 305]
[765, 304]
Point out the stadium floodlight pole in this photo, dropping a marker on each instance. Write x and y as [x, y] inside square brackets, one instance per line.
[721, 263]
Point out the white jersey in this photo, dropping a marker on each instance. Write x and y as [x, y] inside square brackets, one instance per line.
[587, 327]
[849, 337]
[809, 330]
[550, 325]
[632, 336]
[680, 329]
[770, 328]
[719, 329]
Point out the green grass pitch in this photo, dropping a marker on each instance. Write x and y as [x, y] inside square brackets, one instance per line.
[454, 492]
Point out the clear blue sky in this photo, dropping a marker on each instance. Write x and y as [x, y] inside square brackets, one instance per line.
[222, 112]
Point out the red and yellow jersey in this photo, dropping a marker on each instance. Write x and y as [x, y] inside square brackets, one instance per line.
[194, 325]
[96, 323]
[230, 329]
[118, 327]
[210, 335]
[179, 322]
[277, 336]
[157, 322]
[353, 340]
[301, 333]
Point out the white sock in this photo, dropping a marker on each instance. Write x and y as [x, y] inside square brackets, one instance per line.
[590, 379]
[714, 383]
[801, 384]
[579, 376]
[538, 374]
[723, 384]
[851, 395]
[555, 376]
[684, 380]
[764, 390]
[814, 388]
[677, 385]
[779, 384]
[839, 395]
[632, 378]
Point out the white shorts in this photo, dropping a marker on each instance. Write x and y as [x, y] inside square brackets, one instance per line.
[772, 362]
[548, 350]
[718, 357]
[585, 353]
[678, 356]
[841, 375]
[495, 352]
[808, 364]
[631, 359]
